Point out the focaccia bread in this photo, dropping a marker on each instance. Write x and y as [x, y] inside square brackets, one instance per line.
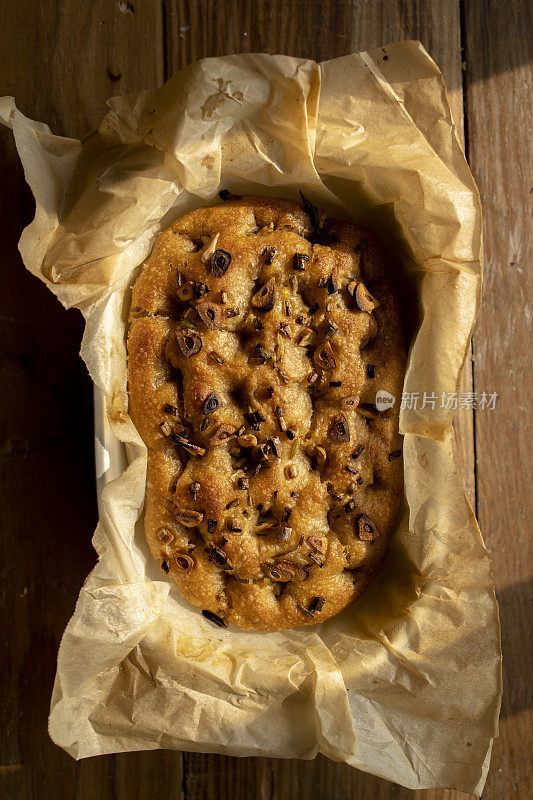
[260, 333]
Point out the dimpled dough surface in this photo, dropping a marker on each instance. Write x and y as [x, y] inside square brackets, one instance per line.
[260, 332]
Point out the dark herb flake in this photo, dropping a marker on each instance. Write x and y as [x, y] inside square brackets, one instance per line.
[312, 212]
[317, 604]
[214, 618]
[331, 329]
[332, 284]
[225, 194]
[218, 555]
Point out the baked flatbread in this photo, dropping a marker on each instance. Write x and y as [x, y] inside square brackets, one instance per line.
[260, 332]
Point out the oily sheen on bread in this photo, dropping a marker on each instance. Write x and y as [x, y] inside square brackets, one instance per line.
[260, 332]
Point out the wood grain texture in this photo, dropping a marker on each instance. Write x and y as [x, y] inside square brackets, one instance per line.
[47, 508]
[61, 59]
[499, 80]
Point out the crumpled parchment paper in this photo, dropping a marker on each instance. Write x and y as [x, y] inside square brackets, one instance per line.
[406, 682]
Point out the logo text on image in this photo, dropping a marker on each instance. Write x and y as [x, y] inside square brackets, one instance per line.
[384, 400]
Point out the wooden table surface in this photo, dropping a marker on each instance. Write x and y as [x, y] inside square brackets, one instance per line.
[61, 59]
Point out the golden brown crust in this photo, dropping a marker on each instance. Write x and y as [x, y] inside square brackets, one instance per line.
[273, 482]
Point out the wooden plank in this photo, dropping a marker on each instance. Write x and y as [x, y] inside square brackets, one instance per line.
[60, 59]
[319, 29]
[63, 58]
[499, 76]
[150, 775]
[47, 501]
